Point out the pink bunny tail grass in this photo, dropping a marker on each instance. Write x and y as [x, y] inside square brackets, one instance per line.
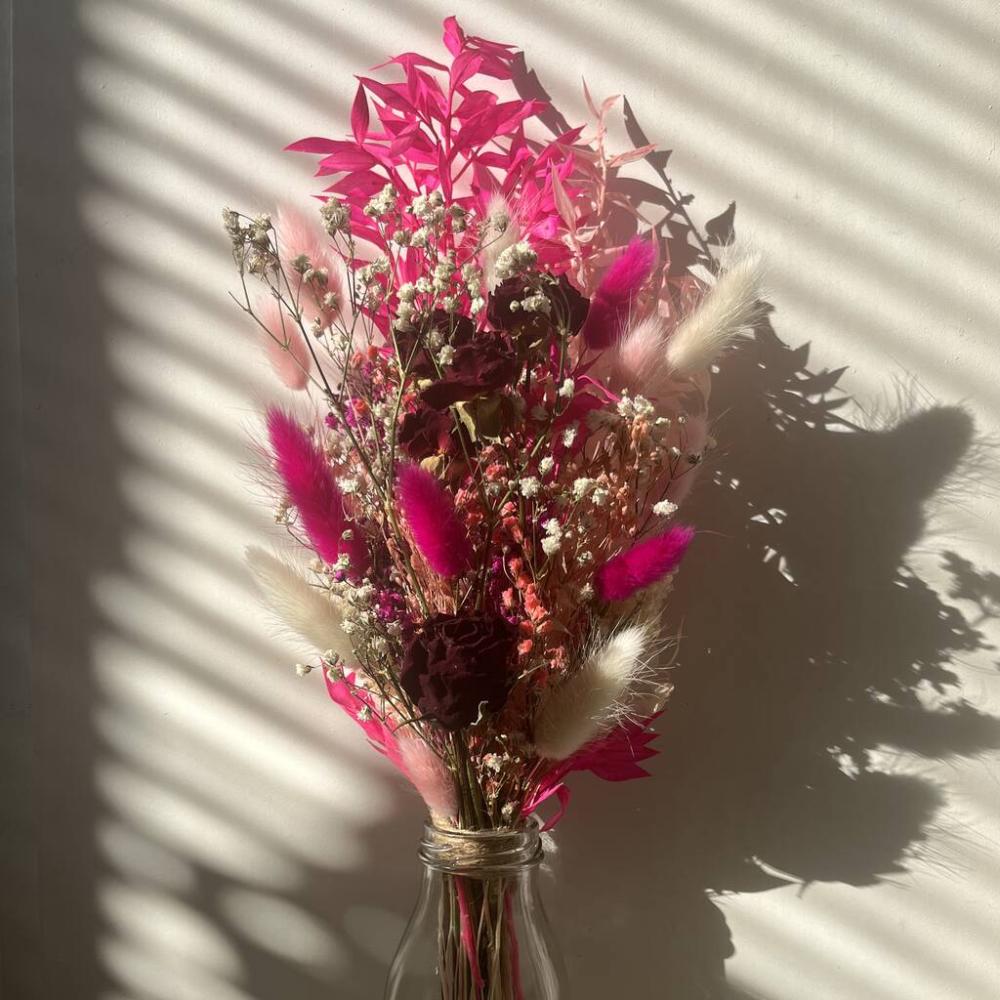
[616, 294]
[642, 565]
[639, 361]
[430, 513]
[285, 348]
[429, 777]
[308, 479]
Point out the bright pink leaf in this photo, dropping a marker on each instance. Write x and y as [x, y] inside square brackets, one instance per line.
[360, 115]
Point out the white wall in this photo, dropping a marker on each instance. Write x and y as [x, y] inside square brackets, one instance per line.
[207, 826]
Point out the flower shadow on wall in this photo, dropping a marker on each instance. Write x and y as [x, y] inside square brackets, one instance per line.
[809, 643]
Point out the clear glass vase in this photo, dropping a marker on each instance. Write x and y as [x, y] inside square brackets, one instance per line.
[478, 931]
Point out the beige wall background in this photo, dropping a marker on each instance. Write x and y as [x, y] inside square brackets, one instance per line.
[824, 821]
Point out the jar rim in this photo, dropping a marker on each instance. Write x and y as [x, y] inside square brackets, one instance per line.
[481, 852]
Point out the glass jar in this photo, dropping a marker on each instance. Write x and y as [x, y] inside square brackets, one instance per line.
[478, 931]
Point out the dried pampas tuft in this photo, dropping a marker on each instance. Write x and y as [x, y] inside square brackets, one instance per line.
[429, 776]
[731, 305]
[588, 705]
[306, 610]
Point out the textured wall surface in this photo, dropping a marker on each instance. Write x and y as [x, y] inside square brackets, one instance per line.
[824, 820]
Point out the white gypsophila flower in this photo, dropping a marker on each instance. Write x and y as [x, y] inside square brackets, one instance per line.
[336, 216]
[567, 389]
[599, 497]
[586, 557]
[587, 592]
[665, 508]
[581, 487]
[625, 407]
[418, 238]
[349, 627]
[348, 485]
[529, 486]
[435, 339]
[569, 436]
[514, 260]
[539, 302]
[552, 528]
[347, 534]
[446, 355]
[546, 465]
[423, 284]
[407, 292]
[478, 303]
[450, 303]
[381, 204]
[551, 544]
[303, 668]
[642, 407]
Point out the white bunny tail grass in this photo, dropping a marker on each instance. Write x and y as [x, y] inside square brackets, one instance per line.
[430, 777]
[304, 609]
[588, 705]
[729, 306]
[500, 232]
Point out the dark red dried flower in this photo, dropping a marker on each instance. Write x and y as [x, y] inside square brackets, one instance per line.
[480, 365]
[426, 432]
[455, 664]
[569, 308]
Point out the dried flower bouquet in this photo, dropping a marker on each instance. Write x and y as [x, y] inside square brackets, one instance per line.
[503, 405]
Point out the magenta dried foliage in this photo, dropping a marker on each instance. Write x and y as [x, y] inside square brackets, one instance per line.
[429, 511]
[642, 565]
[614, 300]
[308, 480]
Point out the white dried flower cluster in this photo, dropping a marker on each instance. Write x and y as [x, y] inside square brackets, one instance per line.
[638, 408]
[552, 542]
[382, 204]
[665, 508]
[429, 208]
[253, 246]
[529, 486]
[515, 260]
[336, 216]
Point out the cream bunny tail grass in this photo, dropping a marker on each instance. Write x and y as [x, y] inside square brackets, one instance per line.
[588, 705]
[731, 305]
[304, 609]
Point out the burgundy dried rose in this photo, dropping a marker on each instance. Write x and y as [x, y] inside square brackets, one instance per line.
[453, 664]
[426, 432]
[483, 364]
[568, 308]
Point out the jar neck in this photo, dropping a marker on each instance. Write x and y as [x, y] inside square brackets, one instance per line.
[481, 852]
